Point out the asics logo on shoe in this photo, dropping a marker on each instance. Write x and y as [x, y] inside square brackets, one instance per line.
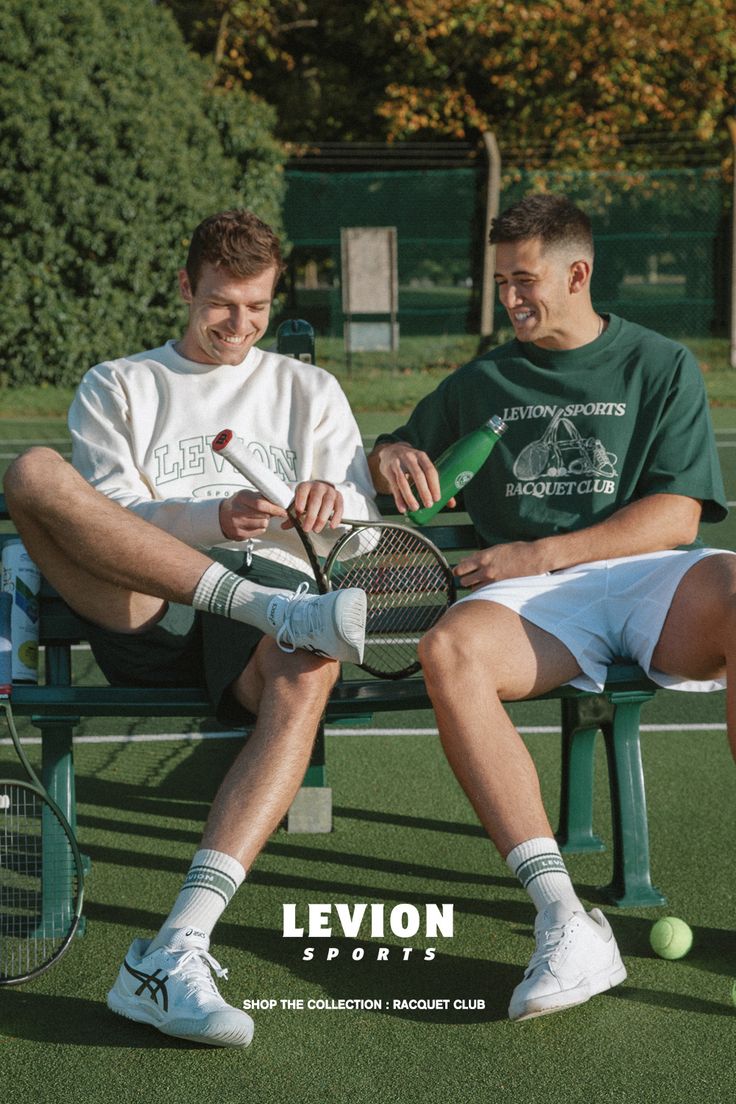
[193, 932]
[154, 984]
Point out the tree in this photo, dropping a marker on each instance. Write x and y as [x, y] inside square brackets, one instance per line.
[578, 82]
[112, 147]
[319, 63]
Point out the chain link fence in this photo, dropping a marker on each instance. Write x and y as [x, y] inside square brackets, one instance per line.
[662, 242]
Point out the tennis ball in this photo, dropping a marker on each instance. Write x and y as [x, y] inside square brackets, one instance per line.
[671, 938]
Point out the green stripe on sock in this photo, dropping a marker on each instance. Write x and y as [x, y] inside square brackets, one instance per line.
[209, 878]
[221, 600]
[537, 865]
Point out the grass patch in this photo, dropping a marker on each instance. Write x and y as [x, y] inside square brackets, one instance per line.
[35, 402]
[390, 382]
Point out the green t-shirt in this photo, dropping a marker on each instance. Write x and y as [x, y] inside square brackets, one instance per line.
[589, 430]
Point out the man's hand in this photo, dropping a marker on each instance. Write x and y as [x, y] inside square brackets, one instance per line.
[317, 504]
[247, 515]
[503, 561]
[408, 474]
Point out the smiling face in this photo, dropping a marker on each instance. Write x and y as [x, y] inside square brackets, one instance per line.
[546, 294]
[227, 314]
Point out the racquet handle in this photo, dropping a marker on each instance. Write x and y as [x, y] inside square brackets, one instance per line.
[245, 461]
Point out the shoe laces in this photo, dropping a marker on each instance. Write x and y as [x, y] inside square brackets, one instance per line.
[549, 943]
[194, 966]
[295, 608]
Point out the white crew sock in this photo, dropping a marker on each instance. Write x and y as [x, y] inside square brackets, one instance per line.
[222, 591]
[539, 866]
[208, 887]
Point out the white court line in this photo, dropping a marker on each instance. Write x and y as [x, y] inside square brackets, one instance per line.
[235, 734]
[35, 441]
[66, 453]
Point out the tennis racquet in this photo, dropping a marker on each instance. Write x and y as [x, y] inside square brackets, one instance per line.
[407, 581]
[41, 872]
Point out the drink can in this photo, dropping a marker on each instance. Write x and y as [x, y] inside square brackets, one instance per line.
[6, 650]
[21, 579]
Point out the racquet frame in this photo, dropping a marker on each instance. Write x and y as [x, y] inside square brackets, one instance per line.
[45, 945]
[248, 464]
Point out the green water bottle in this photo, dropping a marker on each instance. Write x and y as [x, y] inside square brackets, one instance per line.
[459, 463]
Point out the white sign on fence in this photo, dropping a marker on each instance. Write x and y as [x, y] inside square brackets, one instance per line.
[370, 286]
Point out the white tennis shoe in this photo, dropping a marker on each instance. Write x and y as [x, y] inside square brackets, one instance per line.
[576, 957]
[331, 625]
[173, 989]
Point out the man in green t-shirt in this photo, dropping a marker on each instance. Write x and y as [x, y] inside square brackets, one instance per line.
[590, 510]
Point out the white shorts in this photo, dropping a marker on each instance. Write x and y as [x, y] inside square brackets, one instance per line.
[605, 610]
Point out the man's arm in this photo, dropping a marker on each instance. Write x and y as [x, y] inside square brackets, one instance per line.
[652, 524]
[399, 469]
[102, 452]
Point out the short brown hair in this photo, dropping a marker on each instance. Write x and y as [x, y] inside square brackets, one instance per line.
[235, 240]
[553, 218]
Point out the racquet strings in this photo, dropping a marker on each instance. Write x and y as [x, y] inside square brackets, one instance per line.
[40, 883]
[408, 586]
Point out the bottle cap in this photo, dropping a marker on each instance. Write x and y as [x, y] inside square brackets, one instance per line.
[497, 424]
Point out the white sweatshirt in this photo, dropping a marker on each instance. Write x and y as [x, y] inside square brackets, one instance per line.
[142, 427]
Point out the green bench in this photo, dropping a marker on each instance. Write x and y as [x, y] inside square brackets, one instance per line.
[58, 705]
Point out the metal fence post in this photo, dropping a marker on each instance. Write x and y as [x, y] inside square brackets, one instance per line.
[731, 121]
[493, 196]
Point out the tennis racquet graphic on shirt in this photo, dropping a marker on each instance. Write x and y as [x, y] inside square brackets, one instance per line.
[41, 871]
[407, 581]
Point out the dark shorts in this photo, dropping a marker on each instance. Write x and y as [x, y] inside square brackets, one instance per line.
[189, 648]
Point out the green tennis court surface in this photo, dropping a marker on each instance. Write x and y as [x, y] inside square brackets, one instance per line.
[404, 834]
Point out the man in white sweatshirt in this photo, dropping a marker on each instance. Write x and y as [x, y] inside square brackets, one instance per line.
[175, 540]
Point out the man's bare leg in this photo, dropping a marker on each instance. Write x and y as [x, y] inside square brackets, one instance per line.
[698, 638]
[479, 655]
[289, 693]
[119, 571]
[110, 565]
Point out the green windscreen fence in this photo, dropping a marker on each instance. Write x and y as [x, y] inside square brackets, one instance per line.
[662, 249]
[435, 212]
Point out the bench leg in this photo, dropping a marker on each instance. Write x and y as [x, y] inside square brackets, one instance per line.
[311, 809]
[57, 763]
[575, 832]
[57, 775]
[631, 884]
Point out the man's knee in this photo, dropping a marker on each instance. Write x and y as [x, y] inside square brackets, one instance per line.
[446, 653]
[297, 666]
[436, 648]
[306, 679]
[27, 473]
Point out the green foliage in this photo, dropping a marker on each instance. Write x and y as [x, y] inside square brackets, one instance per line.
[567, 81]
[318, 62]
[112, 148]
[578, 83]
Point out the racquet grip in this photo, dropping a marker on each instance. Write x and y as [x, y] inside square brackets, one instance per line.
[245, 461]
